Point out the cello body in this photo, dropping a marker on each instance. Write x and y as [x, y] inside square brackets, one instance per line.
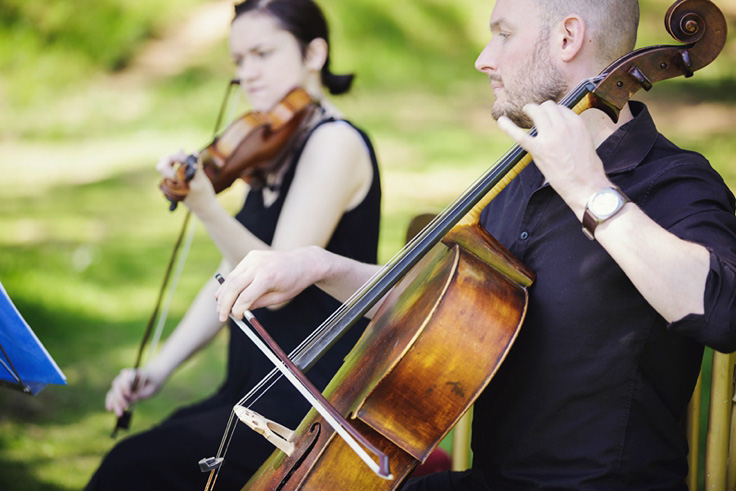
[433, 346]
[448, 320]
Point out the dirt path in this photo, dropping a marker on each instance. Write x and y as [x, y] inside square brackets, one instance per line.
[183, 42]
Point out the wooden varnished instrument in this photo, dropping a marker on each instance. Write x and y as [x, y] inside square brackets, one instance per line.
[454, 301]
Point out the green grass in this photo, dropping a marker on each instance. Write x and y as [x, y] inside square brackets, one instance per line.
[85, 235]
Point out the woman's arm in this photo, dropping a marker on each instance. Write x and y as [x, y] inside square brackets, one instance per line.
[333, 174]
[196, 329]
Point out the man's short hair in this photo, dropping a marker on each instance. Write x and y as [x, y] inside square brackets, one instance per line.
[612, 24]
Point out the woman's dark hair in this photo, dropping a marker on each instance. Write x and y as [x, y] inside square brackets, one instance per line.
[306, 22]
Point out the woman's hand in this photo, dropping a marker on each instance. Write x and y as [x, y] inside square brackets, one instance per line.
[121, 394]
[201, 192]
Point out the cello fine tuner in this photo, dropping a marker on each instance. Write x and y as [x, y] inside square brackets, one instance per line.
[208, 464]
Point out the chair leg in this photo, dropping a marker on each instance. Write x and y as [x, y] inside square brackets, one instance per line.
[719, 422]
[731, 475]
[693, 433]
[461, 442]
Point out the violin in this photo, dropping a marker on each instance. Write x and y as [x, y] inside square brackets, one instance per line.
[250, 148]
[453, 294]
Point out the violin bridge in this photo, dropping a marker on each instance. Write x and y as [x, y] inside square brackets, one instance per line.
[280, 436]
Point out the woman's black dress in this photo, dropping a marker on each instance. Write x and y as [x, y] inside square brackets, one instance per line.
[166, 456]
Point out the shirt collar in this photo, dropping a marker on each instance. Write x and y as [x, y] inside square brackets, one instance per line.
[625, 149]
[630, 144]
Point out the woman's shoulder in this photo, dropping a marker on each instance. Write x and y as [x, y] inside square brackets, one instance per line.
[336, 152]
[337, 127]
[338, 136]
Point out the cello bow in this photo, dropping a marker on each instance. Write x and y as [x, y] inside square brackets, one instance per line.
[699, 24]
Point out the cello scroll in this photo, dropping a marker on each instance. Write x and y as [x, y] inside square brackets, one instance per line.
[698, 23]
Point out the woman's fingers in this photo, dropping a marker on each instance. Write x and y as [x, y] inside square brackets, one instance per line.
[165, 165]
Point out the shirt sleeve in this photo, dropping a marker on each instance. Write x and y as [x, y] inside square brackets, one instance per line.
[696, 205]
[717, 326]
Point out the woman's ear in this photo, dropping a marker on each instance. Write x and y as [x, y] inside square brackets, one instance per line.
[571, 36]
[316, 54]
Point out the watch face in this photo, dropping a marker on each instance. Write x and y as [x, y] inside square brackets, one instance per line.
[604, 203]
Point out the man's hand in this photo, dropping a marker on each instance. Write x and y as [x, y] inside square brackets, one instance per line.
[563, 150]
[268, 278]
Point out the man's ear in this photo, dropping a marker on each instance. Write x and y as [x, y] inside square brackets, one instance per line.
[571, 37]
[316, 54]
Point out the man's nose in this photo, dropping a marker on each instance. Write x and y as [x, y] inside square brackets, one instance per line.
[486, 61]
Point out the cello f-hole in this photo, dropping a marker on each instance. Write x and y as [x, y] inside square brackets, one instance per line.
[315, 430]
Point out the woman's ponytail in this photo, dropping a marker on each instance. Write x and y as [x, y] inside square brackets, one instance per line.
[336, 84]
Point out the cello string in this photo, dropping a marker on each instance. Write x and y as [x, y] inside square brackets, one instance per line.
[513, 172]
[265, 384]
[469, 196]
[451, 210]
[222, 451]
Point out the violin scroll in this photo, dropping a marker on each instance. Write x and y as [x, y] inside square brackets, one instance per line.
[176, 189]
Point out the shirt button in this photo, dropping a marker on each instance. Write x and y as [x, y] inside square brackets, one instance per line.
[524, 235]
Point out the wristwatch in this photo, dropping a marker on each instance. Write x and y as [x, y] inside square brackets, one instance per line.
[601, 206]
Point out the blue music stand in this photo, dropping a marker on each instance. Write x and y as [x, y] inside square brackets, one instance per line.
[25, 364]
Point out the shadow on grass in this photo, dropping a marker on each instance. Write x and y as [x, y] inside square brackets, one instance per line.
[15, 476]
[90, 316]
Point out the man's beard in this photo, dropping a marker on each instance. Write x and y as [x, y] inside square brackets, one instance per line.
[541, 81]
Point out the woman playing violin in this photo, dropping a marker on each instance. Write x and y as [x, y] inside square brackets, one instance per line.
[325, 192]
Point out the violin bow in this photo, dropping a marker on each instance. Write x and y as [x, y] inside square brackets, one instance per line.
[123, 422]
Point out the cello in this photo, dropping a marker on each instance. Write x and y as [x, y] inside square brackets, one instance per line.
[379, 394]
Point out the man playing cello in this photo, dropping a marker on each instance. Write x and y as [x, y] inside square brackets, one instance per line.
[633, 244]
